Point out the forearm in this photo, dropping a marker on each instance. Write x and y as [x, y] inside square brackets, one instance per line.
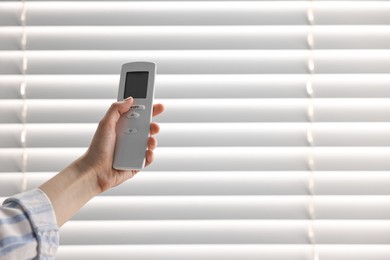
[71, 189]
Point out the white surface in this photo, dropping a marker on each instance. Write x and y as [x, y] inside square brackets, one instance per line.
[232, 178]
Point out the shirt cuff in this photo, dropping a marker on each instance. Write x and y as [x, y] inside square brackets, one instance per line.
[41, 214]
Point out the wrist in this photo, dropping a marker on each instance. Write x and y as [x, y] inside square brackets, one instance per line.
[89, 175]
[70, 189]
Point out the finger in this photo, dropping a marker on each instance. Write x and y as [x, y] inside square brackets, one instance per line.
[124, 175]
[158, 109]
[154, 128]
[116, 109]
[152, 143]
[149, 157]
[125, 105]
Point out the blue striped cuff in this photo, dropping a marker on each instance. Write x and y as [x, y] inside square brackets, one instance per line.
[41, 215]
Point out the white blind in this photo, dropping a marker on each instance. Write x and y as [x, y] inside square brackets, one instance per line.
[275, 143]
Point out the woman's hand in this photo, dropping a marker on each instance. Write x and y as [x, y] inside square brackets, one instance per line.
[100, 154]
[92, 173]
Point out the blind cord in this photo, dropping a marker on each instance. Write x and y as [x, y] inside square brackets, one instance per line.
[310, 137]
[23, 86]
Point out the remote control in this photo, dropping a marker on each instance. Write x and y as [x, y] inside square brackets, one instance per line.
[132, 130]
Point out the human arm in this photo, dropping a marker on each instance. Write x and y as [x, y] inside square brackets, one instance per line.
[29, 221]
[92, 173]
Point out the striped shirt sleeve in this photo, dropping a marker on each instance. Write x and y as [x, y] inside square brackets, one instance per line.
[28, 228]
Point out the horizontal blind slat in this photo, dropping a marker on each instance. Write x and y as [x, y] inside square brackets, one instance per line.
[202, 86]
[10, 13]
[155, 38]
[230, 183]
[195, 37]
[208, 134]
[201, 61]
[170, 62]
[168, 159]
[189, 183]
[352, 12]
[234, 207]
[206, 110]
[184, 232]
[225, 232]
[224, 251]
[198, 13]
[165, 13]
[188, 252]
[204, 207]
[220, 158]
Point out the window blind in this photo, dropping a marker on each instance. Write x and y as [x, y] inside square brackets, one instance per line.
[275, 142]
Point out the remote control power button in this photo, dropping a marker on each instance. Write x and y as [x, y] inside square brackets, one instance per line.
[138, 107]
[132, 115]
[130, 131]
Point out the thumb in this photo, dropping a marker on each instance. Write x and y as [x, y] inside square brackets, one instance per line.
[117, 109]
[125, 105]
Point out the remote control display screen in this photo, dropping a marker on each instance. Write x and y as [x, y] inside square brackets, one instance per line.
[136, 85]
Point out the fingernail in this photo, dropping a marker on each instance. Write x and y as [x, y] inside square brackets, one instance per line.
[129, 98]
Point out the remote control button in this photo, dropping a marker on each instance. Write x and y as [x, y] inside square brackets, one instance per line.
[130, 131]
[138, 107]
[132, 115]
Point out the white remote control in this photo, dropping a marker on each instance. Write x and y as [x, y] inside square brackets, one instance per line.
[132, 131]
